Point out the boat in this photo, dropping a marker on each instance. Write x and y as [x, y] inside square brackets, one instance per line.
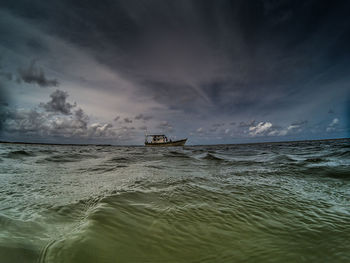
[162, 140]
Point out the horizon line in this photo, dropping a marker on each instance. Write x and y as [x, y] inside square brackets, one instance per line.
[138, 145]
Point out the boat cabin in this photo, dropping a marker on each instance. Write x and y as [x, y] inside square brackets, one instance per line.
[162, 140]
[157, 138]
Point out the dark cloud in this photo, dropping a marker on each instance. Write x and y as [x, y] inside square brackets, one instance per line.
[25, 122]
[128, 128]
[143, 117]
[58, 103]
[347, 116]
[218, 124]
[3, 95]
[165, 126]
[117, 118]
[3, 106]
[81, 118]
[38, 124]
[299, 123]
[35, 75]
[78, 126]
[247, 124]
[6, 75]
[127, 120]
[176, 96]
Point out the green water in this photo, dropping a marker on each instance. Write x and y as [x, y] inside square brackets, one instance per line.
[242, 203]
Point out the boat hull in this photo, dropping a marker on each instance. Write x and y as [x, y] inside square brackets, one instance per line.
[167, 144]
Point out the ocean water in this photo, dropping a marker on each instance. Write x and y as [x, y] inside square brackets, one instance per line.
[278, 202]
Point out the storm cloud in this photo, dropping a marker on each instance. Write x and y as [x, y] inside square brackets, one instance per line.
[258, 64]
[165, 126]
[62, 124]
[35, 75]
[143, 117]
[3, 107]
[58, 103]
[127, 120]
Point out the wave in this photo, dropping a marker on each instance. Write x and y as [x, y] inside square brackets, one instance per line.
[104, 168]
[339, 154]
[212, 157]
[19, 154]
[339, 172]
[314, 160]
[174, 154]
[46, 151]
[283, 158]
[198, 218]
[119, 159]
[67, 157]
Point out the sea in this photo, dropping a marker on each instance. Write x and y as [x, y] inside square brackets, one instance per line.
[267, 202]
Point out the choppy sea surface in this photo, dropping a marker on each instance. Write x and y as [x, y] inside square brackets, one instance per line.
[277, 202]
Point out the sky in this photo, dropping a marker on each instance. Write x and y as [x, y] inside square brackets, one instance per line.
[215, 72]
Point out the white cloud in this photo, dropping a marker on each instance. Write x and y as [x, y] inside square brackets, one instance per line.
[335, 121]
[295, 127]
[283, 132]
[101, 130]
[260, 129]
[333, 125]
